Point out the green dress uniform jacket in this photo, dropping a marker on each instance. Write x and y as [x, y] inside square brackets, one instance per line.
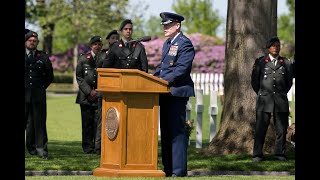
[38, 76]
[121, 57]
[86, 74]
[272, 83]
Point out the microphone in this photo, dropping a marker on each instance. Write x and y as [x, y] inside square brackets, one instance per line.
[142, 39]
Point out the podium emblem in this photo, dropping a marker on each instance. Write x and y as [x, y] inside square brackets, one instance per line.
[112, 122]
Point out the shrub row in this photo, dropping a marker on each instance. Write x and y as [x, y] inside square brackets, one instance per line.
[63, 78]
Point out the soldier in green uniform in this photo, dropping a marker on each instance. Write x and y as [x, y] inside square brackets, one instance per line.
[111, 38]
[87, 96]
[271, 79]
[38, 76]
[126, 55]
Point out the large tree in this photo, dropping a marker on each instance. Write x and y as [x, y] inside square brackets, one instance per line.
[249, 25]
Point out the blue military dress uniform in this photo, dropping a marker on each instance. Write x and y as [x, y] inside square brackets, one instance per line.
[175, 67]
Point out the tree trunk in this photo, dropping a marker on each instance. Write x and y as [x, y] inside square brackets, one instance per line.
[249, 24]
[47, 40]
[75, 61]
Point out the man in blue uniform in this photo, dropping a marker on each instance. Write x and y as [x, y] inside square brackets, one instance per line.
[38, 76]
[271, 79]
[87, 97]
[175, 67]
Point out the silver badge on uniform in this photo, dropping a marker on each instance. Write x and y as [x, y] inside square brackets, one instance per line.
[173, 50]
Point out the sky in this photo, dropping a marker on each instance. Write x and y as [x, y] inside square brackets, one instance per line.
[157, 6]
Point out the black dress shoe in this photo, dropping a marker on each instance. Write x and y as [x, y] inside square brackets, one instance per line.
[89, 151]
[281, 157]
[257, 158]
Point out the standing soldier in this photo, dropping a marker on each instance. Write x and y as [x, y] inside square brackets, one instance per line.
[125, 55]
[175, 67]
[86, 75]
[271, 79]
[111, 38]
[38, 76]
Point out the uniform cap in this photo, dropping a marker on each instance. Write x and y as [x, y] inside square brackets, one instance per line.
[168, 17]
[125, 22]
[26, 31]
[111, 33]
[30, 34]
[271, 41]
[95, 39]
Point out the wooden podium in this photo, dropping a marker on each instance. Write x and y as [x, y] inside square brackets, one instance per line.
[129, 134]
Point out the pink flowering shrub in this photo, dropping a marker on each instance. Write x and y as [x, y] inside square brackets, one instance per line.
[63, 62]
[209, 55]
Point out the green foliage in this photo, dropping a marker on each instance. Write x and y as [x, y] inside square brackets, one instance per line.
[199, 16]
[77, 20]
[136, 13]
[286, 30]
[154, 26]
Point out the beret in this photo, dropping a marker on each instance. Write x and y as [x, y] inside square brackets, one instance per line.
[26, 31]
[168, 17]
[95, 39]
[127, 21]
[111, 33]
[30, 34]
[271, 41]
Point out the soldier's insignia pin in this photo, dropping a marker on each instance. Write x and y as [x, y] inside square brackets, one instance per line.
[171, 62]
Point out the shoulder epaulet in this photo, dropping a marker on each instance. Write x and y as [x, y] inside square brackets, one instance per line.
[140, 43]
[183, 37]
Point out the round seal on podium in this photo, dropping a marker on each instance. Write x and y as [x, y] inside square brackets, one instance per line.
[112, 122]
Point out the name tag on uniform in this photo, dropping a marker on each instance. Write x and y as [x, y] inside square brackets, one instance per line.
[173, 50]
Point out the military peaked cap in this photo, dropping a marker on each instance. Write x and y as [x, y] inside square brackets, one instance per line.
[30, 34]
[95, 39]
[125, 22]
[168, 17]
[111, 33]
[271, 41]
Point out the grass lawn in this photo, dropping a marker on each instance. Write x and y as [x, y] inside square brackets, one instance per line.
[65, 152]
